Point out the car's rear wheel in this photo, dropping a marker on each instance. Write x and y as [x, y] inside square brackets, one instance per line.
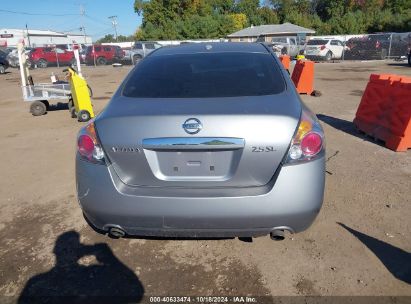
[409, 60]
[328, 56]
[38, 108]
[136, 59]
[2, 69]
[101, 61]
[42, 63]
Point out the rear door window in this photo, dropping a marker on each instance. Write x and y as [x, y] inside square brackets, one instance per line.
[205, 75]
[150, 46]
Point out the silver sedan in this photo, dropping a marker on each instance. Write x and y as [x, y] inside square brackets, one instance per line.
[203, 140]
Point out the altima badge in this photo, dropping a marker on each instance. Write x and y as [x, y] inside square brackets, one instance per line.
[192, 126]
[125, 149]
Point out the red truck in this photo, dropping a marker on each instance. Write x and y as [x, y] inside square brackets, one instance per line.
[103, 54]
[45, 56]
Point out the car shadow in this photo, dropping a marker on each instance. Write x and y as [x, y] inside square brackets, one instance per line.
[106, 280]
[347, 127]
[396, 260]
[162, 238]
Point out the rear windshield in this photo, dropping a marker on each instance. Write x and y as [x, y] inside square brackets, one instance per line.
[205, 75]
[317, 42]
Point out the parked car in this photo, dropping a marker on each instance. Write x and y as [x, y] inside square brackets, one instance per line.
[43, 57]
[376, 46]
[285, 46]
[201, 140]
[4, 64]
[140, 50]
[325, 49]
[13, 57]
[104, 54]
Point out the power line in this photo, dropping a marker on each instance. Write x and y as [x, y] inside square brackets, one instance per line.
[72, 29]
[106, 31]
[36, 14]
[96, 20]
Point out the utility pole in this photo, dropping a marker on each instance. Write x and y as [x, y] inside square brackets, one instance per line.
[114, 22]
[82, 28]
[28, 35]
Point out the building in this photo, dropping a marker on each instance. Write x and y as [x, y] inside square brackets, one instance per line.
[267, 32]
[37, 38]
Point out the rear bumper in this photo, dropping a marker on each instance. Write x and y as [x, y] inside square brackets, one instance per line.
[293, 202]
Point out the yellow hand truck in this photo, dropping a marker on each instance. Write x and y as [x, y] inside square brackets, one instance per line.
[80, 103]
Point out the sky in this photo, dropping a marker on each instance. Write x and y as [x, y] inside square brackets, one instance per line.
[41, 15]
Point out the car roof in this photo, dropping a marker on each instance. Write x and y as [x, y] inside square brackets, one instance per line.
[214, 47]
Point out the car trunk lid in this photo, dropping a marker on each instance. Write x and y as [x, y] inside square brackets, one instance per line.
[241, 141]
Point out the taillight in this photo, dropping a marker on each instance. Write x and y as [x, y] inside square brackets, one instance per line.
[322, 47]
[88, 145]
[377, 44]
[308, 141]
[311, 144]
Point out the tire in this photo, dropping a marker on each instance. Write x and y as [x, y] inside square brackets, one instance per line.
[328, 56]
[136, 59]
[83, 116]
[101, 61]
[409, 60]
[38, 108]
[42, 63]
[2, 69]
[73, 62]
[73, 112]
[70, 104]
[47, 104]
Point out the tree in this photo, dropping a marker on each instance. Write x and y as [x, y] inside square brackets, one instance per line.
[250, 9]
[195, 19]
[239, 21]
[110, 38]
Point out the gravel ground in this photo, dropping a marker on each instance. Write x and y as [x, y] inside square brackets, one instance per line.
[359, 245]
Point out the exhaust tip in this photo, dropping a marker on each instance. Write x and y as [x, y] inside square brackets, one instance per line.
[116, 232]
[278, 233]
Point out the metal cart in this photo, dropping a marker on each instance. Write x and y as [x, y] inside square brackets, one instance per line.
[40, 94]
[76, 91]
